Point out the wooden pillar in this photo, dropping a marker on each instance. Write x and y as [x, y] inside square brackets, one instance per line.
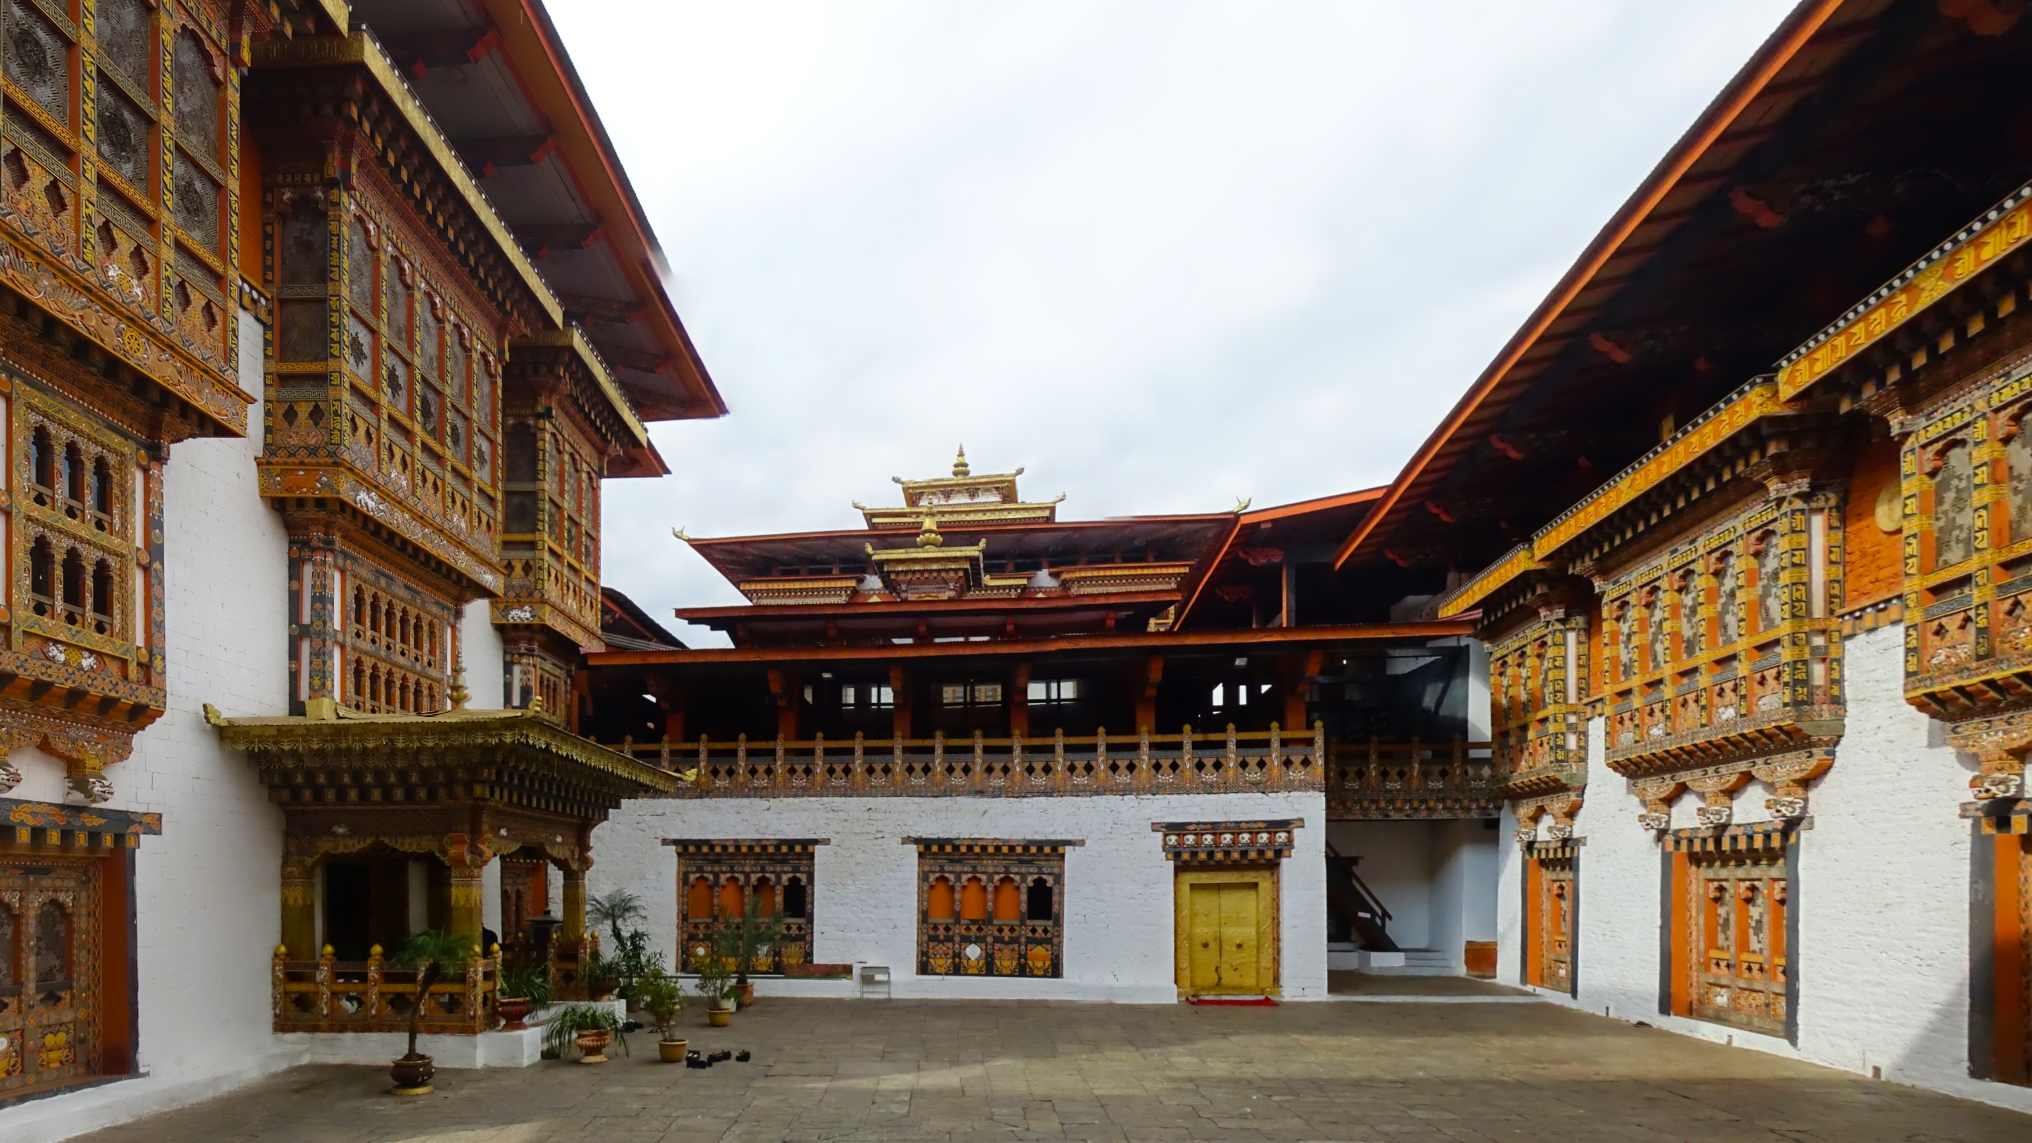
[468, 859]
[673, 700]
[899, 690]
[1146, 706]
[299, 902]
[1019, 699]
[1293, 676]
[574, 927]
[783, 689]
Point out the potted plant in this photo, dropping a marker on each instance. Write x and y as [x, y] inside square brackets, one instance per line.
[613, 909]
[521, 991]
[754, 943]
[660, 996]
[589, 1027]
[435, 955]
[715, 976]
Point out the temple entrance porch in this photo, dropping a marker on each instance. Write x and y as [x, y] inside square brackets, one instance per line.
[456, 821]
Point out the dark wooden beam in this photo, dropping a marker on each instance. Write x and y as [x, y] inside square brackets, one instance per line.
[485, 156]
[419, 52]
[603, 309]
[539, 240]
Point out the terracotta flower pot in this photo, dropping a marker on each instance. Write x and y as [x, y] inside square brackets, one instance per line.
[719, 1017]
[412, 1076]
[512, 1010]
[593, 1045]
[747, 996]
[671, 1051]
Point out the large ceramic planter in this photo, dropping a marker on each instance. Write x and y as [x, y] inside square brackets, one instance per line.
[671, 1051]
[412, 1077]
[719, 1017]
[512, 1010]
[593, 1045]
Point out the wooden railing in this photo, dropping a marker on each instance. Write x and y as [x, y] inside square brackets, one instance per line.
[1227, 762]
[331, 995]
[1454, 779]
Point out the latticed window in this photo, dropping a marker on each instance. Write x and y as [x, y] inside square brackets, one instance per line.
[726, 882]
[77, 527]
[398, 648]
[159, 231]
[990, 908]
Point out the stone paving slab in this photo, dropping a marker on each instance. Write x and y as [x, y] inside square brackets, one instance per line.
[839, 1071]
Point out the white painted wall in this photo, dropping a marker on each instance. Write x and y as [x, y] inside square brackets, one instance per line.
[1882, 897]
[207, 889]
[1118, 895]
[480, 648]
[1397, 866]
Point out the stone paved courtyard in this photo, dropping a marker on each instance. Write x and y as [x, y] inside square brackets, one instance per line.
[900, 1071]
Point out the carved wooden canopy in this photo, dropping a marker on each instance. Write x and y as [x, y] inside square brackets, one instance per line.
[505, 762]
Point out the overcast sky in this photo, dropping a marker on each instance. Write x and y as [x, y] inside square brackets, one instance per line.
[1162, 254]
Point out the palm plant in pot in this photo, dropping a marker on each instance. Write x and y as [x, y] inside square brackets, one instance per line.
[612, 909]
[715, 980]
[435, 955]
[522, 991]
[754, 946]
[658, 993]
[589, 1027]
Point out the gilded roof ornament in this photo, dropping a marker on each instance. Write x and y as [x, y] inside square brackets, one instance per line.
[927, 536]
[679, 533]
[960, 463]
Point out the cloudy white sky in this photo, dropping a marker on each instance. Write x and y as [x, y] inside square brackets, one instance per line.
[1164, 254]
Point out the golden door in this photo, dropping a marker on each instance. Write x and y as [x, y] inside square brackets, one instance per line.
[1223, 937]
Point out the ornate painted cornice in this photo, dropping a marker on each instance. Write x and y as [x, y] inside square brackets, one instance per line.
[519, 740]
[1974, 248]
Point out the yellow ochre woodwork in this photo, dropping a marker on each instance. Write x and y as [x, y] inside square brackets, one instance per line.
[1226, 930]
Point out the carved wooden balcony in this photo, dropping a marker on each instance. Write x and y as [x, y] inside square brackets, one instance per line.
[1536, 677]
[1388, 780]
[1724, 647]
[1230, 762]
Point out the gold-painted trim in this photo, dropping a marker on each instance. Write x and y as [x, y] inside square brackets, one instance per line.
[1975, 248]
[574, 339]
[277, 738]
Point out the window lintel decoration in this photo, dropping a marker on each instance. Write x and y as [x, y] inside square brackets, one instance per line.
[996, 846]
[744, 846]
[1228, 843]
[1745, 838]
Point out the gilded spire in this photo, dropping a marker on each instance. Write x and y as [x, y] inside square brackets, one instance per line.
[927, 536]
[459, 695]
[960, 463]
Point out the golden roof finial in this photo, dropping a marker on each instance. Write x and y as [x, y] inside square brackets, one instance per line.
[535, 704]
[459, 695]
[927, 536]
[960, 463]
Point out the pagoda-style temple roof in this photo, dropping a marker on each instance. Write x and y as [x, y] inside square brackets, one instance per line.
[974, 562]
[961, 498]
[1858, 134]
